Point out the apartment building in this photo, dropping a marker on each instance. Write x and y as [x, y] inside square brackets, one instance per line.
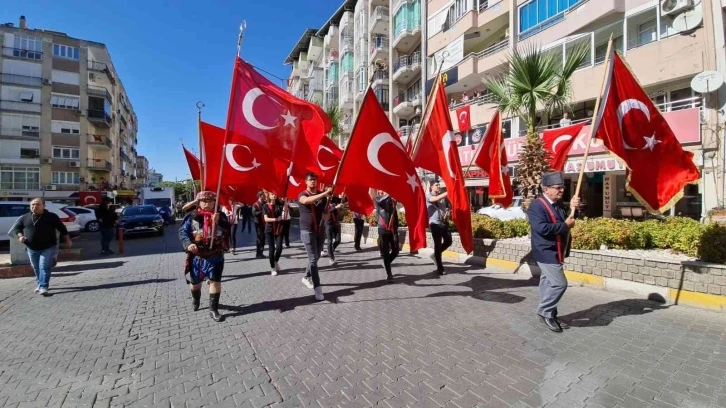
[66, 122]
[666, 44]
[154, 178]
[359, 35]
[142, 171]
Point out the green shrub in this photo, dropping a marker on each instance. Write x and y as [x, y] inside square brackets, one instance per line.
[712, 247]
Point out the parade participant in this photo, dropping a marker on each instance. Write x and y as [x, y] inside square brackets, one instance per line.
[258, 216]
[332, 226]
[205, 250]
[190, 206]
[246, 212]
[550, 232]
[231, 214]
[358, 221]
[313, 213]
[107, 225]
[286, 224]
[387, 217]
[274, 229]
[37, 231]
[438, 224]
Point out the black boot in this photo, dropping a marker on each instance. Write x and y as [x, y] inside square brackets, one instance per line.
[213, 306]
[196, 296]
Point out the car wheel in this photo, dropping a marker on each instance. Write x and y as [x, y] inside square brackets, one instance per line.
[92, 226]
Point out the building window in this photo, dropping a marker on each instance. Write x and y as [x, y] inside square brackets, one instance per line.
[25, 124]
[65, 101]
[65, 177]
[537, 15]
[65, 77]
[66, 152]
[65, 51]
[28, 47]
[646, 32]
[19, 178]
[29, 153]
[59, 126]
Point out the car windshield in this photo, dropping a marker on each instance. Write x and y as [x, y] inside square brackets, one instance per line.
[517, 202]
[158, 202]
[131, 211]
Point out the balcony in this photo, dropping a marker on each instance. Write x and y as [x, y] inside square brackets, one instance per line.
[20, 134]
[331, 96]
[404, 105]
[100, 92]
[379, 48]
[102, 67]
[488, 62]
[380, 77]
[361, 83]
[331, 38]
[346, 44]
[123, 155]
[315, 50]
[16, 106]
[382, 95]
[99, 165]
[99, 142]
[21, 53]
[407, 67]
[22, 80]
[407, 32]
[379, 20]
[99, 118]
[123, 120]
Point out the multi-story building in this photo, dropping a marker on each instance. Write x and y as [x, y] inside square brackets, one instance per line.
[665, 45]
[142, 170]
[66, 123]
[154, 178]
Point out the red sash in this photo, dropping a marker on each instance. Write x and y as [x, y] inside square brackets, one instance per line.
[276, 226]
[560, 255]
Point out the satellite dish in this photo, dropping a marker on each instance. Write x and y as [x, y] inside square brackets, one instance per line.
[707, 81]
[688, 21]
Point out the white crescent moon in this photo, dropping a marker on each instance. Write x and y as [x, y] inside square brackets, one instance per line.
[230, 158]
[447, 140]
[248, 103]
[90, 198]
[374, 148]
[462, 115]
[293, 182]
[558, 141]
[324, 168]
[625, 107]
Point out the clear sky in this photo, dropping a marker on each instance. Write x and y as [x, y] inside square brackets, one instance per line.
[170, 54]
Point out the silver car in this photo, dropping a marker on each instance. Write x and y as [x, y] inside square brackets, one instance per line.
[514, 212]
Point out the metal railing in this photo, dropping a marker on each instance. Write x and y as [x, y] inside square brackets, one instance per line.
[405, 131]
[100, 140]
[102, 92]
[380, 76]
[379, 42]
[23, 53]
[406, 27]
[483, 5]
[406, 97]
[22, 80]
[99, 164]
[486, 52]
[97, 66]
[379, 12]
[99, 116]
[479, 100]
[20, 106]
[407, 61]
[13, 132]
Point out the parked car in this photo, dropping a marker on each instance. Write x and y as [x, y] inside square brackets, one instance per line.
[140, 219]
[86, 217]
[10, 211]
[514, 212]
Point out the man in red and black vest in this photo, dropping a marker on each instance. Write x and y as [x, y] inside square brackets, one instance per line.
[332, 226]
[257, 214]
[387, 220]
[550, 233]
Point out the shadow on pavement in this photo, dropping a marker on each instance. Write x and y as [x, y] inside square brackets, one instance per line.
[72, 289]
[606, 313]
[88, 266]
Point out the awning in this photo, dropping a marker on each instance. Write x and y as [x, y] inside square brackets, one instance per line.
[476, 182]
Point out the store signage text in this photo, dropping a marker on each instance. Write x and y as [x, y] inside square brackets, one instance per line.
[595, 165]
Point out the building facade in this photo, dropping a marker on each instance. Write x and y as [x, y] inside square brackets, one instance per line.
[66, 122]
[154, 178]
[142, 171]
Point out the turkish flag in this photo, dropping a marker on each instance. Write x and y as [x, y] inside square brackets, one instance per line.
[558, 142]
[89, 197]
[245, 162]
[463, 115]
[195, 165]
[264, 113]
[633, 129]
[395, 174]
[327, 160]
[493, 160]
[438, 138]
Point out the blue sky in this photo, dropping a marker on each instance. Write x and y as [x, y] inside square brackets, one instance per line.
[171, 54]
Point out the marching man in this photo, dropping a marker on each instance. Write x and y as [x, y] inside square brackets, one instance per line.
[204, 237]
[387, 216]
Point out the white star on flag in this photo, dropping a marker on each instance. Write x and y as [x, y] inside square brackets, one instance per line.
[255, 164]
[650, 142]
[412, 181]
[289, 119]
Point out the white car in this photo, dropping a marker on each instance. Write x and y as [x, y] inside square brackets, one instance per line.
[86, 218]
[514, 212]
[10, 211]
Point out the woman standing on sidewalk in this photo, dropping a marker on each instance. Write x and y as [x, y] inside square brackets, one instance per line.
[274, 229]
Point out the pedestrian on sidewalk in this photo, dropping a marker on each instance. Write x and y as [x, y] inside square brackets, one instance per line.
[37, 231]
[550, 235]
[246, 212]
[358, 220]
[274, 229]
[258, 216]
[313, 215]
[107, 218]
[206, 250]
[438, 224]
[387, 216]
[332, 226]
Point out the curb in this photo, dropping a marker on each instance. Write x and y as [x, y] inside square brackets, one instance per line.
[26, 271]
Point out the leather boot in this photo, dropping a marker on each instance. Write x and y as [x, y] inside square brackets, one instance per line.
[214, 306]
[196, 296]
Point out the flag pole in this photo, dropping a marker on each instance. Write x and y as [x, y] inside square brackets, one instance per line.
[429, 105]
[378, 65]
[596, 112]
[200, 105]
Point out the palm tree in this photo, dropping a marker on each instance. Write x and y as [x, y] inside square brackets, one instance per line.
[336, 119]
[537, 81]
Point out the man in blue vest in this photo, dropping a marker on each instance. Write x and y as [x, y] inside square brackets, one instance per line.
[550, 231]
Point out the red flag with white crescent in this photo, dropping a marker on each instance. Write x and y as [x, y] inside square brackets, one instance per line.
[89, 197]
[493, 160]
[463, 116]
[558, 142]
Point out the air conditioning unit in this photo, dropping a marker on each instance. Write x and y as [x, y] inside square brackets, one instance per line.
[51, 187]
[47, 81]
[78, 112]
[673, 7]
[48, 161]
[75, 164]
[91, 76]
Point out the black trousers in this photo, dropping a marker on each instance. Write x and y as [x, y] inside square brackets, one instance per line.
[332, 232]
[274, 243]
[247, 222]
[260, 229]
[286, 232]
[389, 247]
[358, 231]
[233, 237]
[442, 241]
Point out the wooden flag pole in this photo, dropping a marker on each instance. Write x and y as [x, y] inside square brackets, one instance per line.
[594, 123]
[200, 105]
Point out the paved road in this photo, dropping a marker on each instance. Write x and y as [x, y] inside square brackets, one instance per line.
[120, 332]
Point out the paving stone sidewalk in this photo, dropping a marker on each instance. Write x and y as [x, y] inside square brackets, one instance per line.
[120, 331]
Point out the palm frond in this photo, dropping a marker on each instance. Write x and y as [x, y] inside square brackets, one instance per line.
[336, 118]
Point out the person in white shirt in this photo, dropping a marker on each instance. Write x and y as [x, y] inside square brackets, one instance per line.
[565, 121]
